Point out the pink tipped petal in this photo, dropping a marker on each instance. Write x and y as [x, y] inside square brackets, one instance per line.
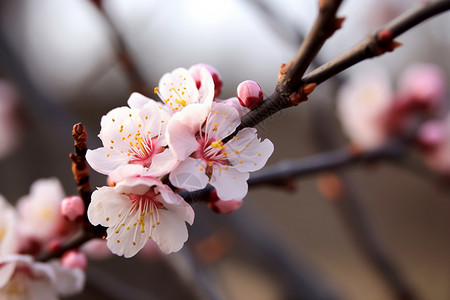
[230, 183]
[189, 175]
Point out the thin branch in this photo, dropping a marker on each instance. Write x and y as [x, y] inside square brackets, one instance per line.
[324, 26]
[80, 170]
[379, 43]
[281, 173]
[373, 45]
[80, 167]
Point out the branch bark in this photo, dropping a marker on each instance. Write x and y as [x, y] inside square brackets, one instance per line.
[292, 91]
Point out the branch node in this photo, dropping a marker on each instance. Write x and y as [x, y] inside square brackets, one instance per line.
[283, 69]
[302, 94]
[338, 22]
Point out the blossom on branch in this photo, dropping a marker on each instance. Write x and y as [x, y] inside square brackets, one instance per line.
[39, 211]
[134, 138]
[195, 136]
[363, 105]
[138, 209]
[34, 280]
[178, 89]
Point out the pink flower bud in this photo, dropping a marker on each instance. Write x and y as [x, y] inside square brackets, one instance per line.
[431, 135]
[72, 207]
[423, 85]
[74, 259]
[249, 94]
[221, 206]
[195, 73]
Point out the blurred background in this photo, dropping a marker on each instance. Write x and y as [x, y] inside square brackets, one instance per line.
[63, 62]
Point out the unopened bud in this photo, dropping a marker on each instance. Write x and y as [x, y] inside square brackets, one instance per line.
[250, 94]
[431, 135]
[72, 207]
[195, 71]
[221, 206]
[74, 259]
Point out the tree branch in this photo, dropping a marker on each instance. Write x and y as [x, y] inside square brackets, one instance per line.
[379, 43]
[285, 171]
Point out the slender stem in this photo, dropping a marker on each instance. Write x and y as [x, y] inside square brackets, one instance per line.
[80, 167]
[289, 90]
[324, 26]
[80, 170]
[283, 172]
[373, 45]
[378, 43]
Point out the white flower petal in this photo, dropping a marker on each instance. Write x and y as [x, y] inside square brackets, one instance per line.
[107, 207]
[162, 164]
[171, 234]
[176, 204]
[182, 130]
[178, 89]
[189, 175]
[206, 88]
[246, 152]
[222, 121]
[104, 160]
[137, 100]
[229, 183]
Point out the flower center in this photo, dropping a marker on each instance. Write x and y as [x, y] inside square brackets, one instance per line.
[143, 150]
[212, 152]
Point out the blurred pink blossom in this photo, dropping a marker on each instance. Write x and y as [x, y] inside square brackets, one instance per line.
[223, 206]
[422, 85]
[363, 105]
[72, 207]
[39, 211]
[74, 259]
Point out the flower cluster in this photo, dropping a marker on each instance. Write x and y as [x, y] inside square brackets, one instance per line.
[26, 231]
[371, 112]
[179, 139]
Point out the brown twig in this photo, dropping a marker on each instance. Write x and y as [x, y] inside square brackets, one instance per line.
[80, 167]
[80, 170]
[283, 172]
[290, 91]
[379, 43]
